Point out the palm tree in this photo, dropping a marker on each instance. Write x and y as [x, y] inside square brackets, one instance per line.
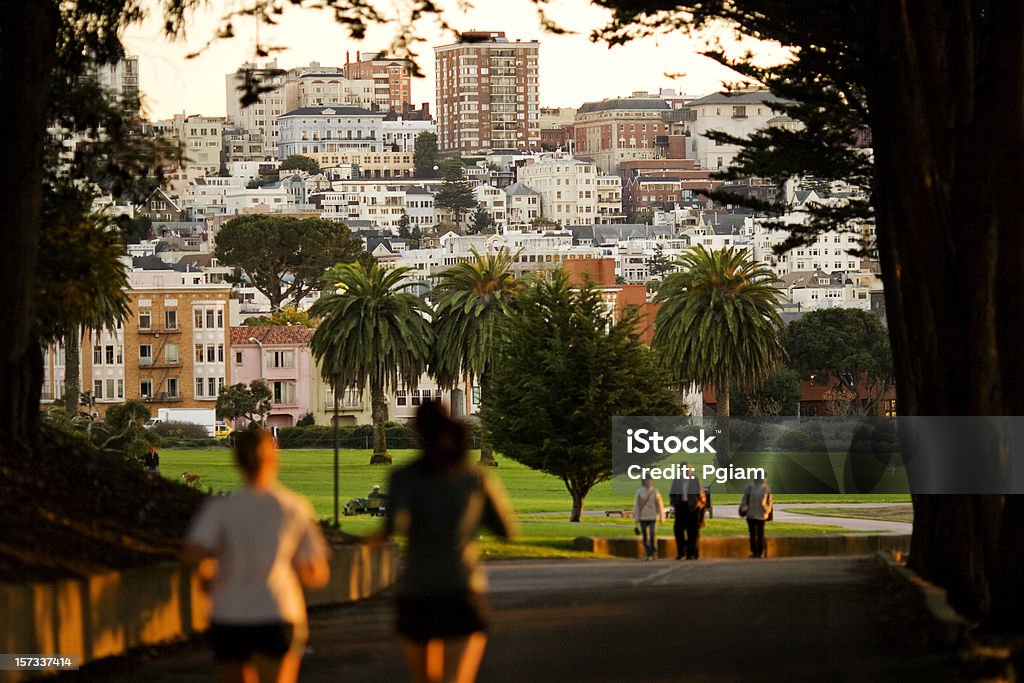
[472, 299]
[718, 324]
[371, 334]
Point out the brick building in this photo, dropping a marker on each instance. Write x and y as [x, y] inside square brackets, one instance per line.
[487, 94]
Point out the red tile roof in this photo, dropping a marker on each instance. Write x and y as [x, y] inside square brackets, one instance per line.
[294, 335]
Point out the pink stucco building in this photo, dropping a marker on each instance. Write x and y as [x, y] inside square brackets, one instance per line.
[281, 357]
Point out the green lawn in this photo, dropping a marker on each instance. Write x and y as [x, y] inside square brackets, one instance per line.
[310, 473]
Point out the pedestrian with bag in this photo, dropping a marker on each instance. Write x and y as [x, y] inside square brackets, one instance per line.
[757, 506]
[648, 510]
[688, 501]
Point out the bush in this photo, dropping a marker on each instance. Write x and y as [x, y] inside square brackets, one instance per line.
[794, 440]
[306, 420]
[358, 436]
[180, 430]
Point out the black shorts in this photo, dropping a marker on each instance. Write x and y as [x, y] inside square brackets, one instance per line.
[240, 642]
[444, 616]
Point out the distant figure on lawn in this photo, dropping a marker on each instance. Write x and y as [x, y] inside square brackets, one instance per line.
[440, 501]
[256, 549]
[375, 493]
[757, 499]
[648, 510]
[151, 461]
[688, 501]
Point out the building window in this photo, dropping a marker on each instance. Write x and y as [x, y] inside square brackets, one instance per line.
[211, 384]
[97, 355]
[211, 354]
[97, 389]
[172, 387]
[145, 320]
[146, 388]
[171, 320]
[220, 318]
[209, 319]
[199, 353]
[400, 397]
[280, 359]
[110, 355]
[220, 353]
[120, 388]
[199, 387]
[110, 388]
[238, 357]
[171, 353]
[284, 392]
[198, 321]
[145, 354]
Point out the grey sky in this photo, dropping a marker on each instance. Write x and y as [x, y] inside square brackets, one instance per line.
[572, 69]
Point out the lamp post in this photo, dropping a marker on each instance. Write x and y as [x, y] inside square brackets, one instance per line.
[258, 343]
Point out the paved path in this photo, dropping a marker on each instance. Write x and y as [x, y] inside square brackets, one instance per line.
[612, 621]
[784, 512]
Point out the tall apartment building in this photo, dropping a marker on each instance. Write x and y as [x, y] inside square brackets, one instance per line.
[390, 76]
[487, 94]
[738, 113]
[260, 117]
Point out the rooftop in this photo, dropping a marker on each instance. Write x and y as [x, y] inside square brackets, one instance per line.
[278, 334]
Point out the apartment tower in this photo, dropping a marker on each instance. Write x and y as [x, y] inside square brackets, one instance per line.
[487, 94]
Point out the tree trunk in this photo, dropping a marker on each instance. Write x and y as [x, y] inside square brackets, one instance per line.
[723, 455]
[945, 87]
[72, 370]
[379, 413]
[486, 448]
[577, 508]
[27, 57]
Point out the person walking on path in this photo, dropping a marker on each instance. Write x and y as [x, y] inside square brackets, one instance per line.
[440, 501]
[757, 502]
[648, 510]
[254, 550]
[688, 501]
[151, 461]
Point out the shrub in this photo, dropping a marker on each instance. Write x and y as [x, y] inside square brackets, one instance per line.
[180, 430]
[306, 420]
[794, 440]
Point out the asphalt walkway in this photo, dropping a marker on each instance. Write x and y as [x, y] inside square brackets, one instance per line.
[789, 619]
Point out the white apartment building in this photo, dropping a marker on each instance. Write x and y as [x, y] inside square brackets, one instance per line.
[493, 201]
[381, 205]
[257, 200]
[738, 113]
[319, 88]
[310, 130]
[829, 252]
[813, 290]
[609, 199]
[202, 140]
[419, 206]
[206, 196]
[260, 117]
[567, 188]
[400, 134]
[522, 203]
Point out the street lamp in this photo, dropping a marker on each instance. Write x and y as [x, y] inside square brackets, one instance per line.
[258, 343]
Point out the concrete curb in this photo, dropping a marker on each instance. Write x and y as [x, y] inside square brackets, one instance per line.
[948, 628]
[107, 614]
[739, 547]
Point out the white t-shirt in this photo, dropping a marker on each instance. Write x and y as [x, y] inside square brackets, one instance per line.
[257, 537]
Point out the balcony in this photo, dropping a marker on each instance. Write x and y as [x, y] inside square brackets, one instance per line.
[343, 407]
[162, 364]
[161, 330]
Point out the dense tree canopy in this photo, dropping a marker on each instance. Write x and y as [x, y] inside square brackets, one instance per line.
[299, 162]
[284, 257]
[566, 369]
[846, 347]
[252, 402]
[425, 155]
